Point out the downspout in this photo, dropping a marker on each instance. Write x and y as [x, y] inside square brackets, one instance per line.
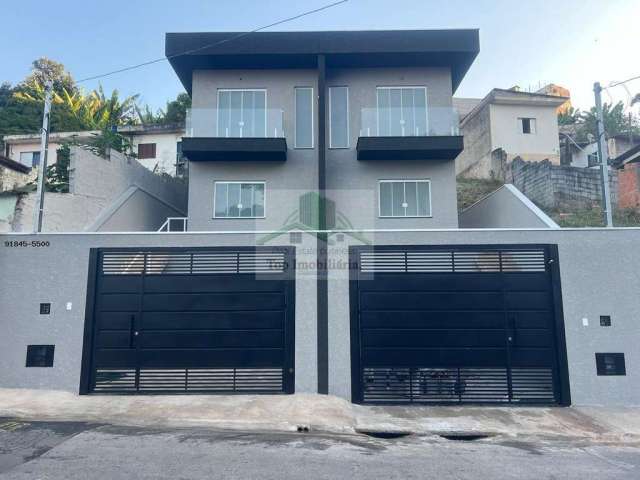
[321, 241]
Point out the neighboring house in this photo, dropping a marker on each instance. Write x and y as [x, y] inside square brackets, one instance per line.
[323, 252]
[157, 147]
[104, 194]
[507, 124]
[558, 91]
[585, 153]
[628, 165]
[25, 148]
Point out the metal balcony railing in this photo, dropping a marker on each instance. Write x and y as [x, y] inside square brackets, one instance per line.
[174, 224]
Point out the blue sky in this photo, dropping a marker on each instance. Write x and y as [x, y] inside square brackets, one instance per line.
[572, 42]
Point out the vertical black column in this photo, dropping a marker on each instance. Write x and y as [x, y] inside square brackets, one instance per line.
[321, 242]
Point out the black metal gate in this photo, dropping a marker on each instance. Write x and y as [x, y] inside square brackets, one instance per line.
[180, 320]
[457, 324]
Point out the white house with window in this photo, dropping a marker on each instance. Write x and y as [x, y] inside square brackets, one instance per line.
[507, 124]
[157, 147]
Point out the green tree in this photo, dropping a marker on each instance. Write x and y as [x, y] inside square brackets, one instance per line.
[570, 117]
[43, 70]
[147, 117]
[177, 109]
[616, 121]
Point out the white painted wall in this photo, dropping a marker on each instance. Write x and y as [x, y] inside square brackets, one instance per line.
[506, 132]
[17, 148]
[166, 151]
[580, 157]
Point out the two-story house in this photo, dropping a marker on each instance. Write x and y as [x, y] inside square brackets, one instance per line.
[364, 117]
[323, 251]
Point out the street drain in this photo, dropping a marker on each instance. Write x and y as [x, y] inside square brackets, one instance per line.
[464, 437]
[387, 435]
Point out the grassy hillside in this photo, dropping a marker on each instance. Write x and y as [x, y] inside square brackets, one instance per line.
[594, 218]
[471, 190]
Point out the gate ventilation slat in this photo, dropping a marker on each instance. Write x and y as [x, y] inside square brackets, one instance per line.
[532, 385]
[457, 385]
[452, 261]
[123, 263]
[192, 380]
[192, 263]
[115, 380]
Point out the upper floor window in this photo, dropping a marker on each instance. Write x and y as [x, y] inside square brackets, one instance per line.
[402, 111]
[146, 150]
[527, 125]
[404, 198]
[304, 117]
[238, 200]
[30, 159]
[242, 113]
[338, 117]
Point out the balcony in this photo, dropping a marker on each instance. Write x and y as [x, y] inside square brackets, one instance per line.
[234, 134]
[409, 132]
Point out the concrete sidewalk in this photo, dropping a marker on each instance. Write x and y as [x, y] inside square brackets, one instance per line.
[322, 413]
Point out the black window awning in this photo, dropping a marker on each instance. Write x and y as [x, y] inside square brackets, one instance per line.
[206, 149]
[410, 148]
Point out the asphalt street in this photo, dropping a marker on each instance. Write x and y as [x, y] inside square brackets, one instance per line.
[64, 450]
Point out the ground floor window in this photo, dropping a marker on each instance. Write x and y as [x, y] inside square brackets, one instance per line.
[405, 198]
[239, 200]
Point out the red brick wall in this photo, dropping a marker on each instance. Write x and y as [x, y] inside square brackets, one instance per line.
[629, 186]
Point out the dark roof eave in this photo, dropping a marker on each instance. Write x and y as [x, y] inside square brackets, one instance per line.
[630, 156]
[456, 49]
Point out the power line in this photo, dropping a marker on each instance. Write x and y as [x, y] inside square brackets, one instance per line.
[203, 47]
[615, 84]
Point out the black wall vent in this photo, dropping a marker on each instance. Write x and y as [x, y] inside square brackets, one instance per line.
[45, 308]
[40, 355]
[605, 320]
[610, 364]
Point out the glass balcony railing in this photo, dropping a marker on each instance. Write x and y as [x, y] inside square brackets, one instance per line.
[235, 123]
[409, 122]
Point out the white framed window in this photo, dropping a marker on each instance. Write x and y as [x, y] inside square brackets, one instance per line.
[304, 117]
[338, 117]
[239, 199]
[527, 125]
[402, 111]
[404, 198]
[242, 113]
[30, 159]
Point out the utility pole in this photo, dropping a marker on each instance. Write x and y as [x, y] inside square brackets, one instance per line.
[42, 169]
[603, 156]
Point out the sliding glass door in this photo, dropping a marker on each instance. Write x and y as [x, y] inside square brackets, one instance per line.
[242, 113]
[402, 111]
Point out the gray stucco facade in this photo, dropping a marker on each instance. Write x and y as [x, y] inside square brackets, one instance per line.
[352, 184]
[611, 255]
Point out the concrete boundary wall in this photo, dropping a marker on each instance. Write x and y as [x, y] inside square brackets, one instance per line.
[560, 186]
[505, 207]
[599, 268]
